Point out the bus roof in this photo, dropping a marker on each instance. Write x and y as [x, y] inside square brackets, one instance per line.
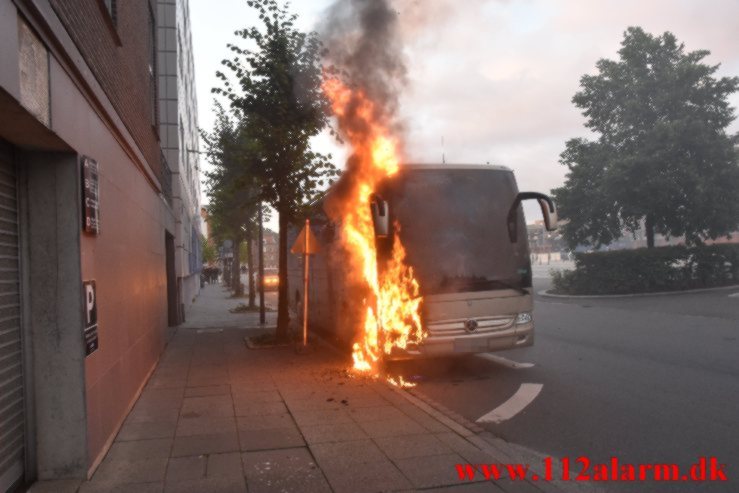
[454, 166]
[424, 166]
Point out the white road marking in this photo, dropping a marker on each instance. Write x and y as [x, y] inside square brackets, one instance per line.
[524, 396]
[515, 365]
[734, 295]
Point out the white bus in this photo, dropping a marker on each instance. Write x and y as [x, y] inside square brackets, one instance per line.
[464, 233]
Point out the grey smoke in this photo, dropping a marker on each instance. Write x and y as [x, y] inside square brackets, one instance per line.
[363, 42]
[363, 47]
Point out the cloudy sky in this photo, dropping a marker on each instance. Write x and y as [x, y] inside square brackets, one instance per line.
[494, 78]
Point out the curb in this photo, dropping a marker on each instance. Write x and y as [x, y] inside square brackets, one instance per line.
[227, 327]
[496, 447]
[251, 345]
[453, 420]
[547, 294]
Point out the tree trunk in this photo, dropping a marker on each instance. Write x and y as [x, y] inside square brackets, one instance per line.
[649, 227]
[227, 272]
[236, 285]
[283, 318]
[250, 265]
[260, 278]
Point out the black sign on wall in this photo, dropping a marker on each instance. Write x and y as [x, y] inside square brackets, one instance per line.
[91, 317]
[90, 196]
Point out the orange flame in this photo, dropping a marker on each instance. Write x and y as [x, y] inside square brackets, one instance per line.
[400, 382]
[392, 319]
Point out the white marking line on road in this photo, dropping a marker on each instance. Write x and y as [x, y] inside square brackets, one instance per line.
[524, 396]
[515, 365]
[734, 295]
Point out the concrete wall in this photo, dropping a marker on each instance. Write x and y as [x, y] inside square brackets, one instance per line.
[127, 260]
[80, 402]
[52, 292]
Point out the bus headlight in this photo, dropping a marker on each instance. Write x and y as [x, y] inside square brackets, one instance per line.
[523, 318]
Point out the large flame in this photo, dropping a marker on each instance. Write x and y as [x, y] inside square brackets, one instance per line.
[392, 318]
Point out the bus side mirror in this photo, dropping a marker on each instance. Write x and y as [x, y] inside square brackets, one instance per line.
[547, 209]
[380, 216]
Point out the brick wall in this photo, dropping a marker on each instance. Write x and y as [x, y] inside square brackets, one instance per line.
[122, 70]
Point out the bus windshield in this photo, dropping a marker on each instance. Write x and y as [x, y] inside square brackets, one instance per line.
[453, 226]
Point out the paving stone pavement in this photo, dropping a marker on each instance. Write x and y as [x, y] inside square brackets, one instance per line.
[211, 306]
[216, 416]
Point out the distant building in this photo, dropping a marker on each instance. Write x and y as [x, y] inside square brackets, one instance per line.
[271, 249]
[178, 131]
[732, 238]
[543, 241]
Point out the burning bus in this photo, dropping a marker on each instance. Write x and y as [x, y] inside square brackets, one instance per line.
[444, 270]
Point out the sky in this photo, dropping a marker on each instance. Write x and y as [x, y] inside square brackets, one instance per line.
[492, 80]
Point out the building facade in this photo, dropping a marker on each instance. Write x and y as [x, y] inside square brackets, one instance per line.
[271, 249]
[91, 241]
[178, 131]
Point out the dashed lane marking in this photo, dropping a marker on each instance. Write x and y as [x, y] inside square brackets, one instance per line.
[515, 365]
[734, 295]
[524, 396]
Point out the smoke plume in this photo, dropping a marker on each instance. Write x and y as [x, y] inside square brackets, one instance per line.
[364, 50]
[363, 43]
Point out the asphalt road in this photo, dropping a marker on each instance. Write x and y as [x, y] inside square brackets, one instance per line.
[645, 379]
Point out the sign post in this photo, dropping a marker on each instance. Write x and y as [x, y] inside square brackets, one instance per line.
[90, 196]
[306, 244]
[305, 283]
[91, 317]
[260, 260]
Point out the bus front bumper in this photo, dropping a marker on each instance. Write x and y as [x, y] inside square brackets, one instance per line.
[521, 335]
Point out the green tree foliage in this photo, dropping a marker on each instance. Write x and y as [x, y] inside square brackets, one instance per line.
[662, 153]
[209, 252]
[274, 80]
[232, 185]
[244, 252]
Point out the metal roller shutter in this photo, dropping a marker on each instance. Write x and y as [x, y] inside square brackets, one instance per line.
[12, 416]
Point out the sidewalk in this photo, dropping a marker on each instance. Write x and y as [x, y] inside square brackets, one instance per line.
[211, 309]
[219, 417]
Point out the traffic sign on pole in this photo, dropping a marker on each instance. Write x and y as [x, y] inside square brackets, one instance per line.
[306, 241]
[306, 245]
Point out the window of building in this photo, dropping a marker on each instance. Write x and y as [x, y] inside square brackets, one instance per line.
[112, 8]
[153, 69]
[109, 11]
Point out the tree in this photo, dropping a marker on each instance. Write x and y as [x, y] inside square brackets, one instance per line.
[208, 250]
[278, 88]
[246, 254]
[233, 187]
[662, 154]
